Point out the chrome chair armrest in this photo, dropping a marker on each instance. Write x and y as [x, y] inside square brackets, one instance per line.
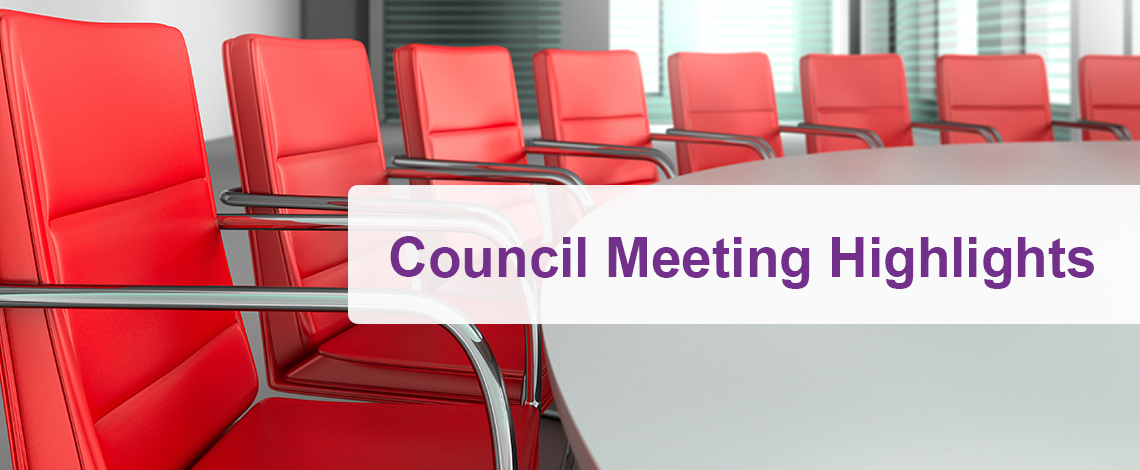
[581, 149]
[318, 299]
[386, 222]
[494, 172]
[986, 132]
[301, 222]
[234, 197]
[312, 299]
[476, 171]
[868, 137]
[1120, 132]
[760, 146]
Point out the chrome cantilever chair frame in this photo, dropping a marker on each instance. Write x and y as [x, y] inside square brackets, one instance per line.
[584, 149]
[470, 218]
[764, 149]
[760, 146]
[490, 172]
[1120, 132]
[873, 140]
[338, 222]
[652, 155]
[548, 147]
[989, 133]
[234, 197]
[313, 299]
[697, 137]
[868, 137]
[520, 173]
[497, 172]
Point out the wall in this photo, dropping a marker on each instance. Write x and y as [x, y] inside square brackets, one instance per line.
[1098, 27]
[204, 23]
[376, 56]
[1133, 26]
[586, 25]
[330, 19]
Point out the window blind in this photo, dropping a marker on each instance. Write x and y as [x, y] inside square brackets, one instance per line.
[1031, 26]
[922, 30]
[522, 26]
[1001, 26]
[879, 26]
[1048, 31]
[918, 40]
[738, 26]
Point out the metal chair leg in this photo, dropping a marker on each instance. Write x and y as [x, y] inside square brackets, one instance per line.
[567, 458]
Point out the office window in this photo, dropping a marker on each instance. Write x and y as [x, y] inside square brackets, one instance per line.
[522, 26]
[783, 29]
[742, 26]
[1049, 33]
[922, 30]
[636, 25]
[1031, 26]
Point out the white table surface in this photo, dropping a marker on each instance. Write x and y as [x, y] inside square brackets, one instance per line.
[878, 397]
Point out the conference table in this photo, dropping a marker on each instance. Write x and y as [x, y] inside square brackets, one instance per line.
[878, 397]
[1062, 163]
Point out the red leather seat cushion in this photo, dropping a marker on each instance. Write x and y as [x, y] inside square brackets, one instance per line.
[1109, 93]
[281, 433]
[594, 97]
[860, 91]
[424, 346]
[708, 94]
[423, 359]
[459, 103]
[1008, 92]
[111, 181]
[105, 182]
[305, 123]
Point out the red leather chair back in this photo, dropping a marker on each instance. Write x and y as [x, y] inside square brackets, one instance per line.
[305, 123]
[862, 91]
[725, 93]
[1008, 92]
[1109, 92]
[594, 97]
[459, 103]
[103, 180]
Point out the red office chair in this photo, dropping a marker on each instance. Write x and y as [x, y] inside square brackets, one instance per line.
[1109, 93]
[866, 92]
[1007, 92]
[461, 103]
[305, 124]
[103, 181]
[592, 98]
[730, 94]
